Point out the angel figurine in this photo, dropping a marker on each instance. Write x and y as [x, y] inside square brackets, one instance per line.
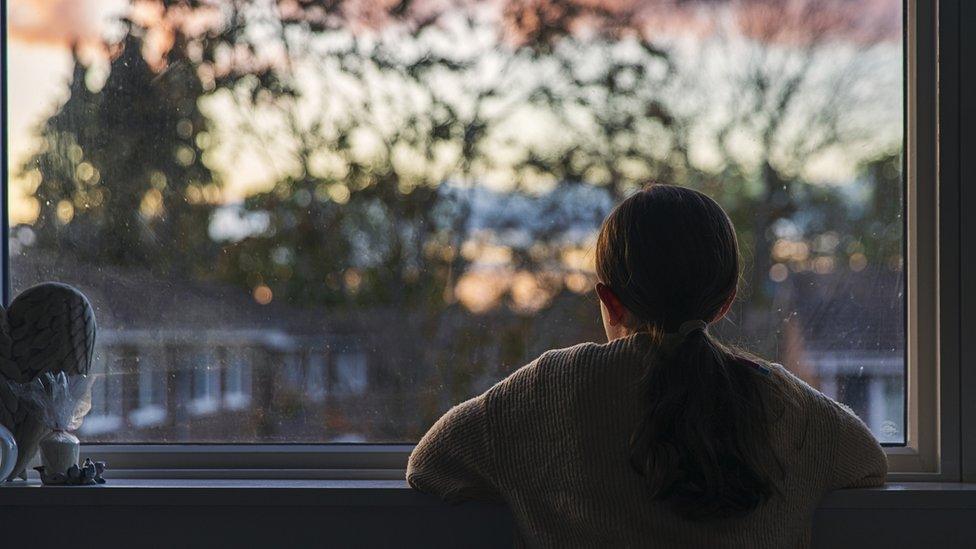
[48, 328]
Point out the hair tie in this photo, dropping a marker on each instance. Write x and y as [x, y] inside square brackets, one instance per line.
[692, 325]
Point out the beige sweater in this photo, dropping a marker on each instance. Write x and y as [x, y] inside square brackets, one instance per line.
[551, 441]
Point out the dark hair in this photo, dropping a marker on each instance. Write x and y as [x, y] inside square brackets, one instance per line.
[670, 255]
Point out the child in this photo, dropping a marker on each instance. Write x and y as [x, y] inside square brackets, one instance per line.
[662, 437]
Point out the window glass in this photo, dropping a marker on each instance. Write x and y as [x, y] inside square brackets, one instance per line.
[151, 373]
[237, 393]
[106, 412]
[350, 373]
[291, 371]
[315, 376]
[204, 373]
[394, 204]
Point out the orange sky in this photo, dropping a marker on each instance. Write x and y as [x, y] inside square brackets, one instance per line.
[67, 21]
[41, 33]
[60, 21]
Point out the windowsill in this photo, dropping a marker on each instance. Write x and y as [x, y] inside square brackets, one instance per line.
[395, 493]
[387, 513]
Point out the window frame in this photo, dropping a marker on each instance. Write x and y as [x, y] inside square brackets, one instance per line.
[963, 129]
[934, 322]
[932, 242]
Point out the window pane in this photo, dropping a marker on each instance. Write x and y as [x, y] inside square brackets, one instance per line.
[350, 373]
[237, 395]
[107, 404]
[309, 226]
[315, 377]
[150, 407]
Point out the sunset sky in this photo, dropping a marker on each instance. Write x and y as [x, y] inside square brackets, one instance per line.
[39, 65]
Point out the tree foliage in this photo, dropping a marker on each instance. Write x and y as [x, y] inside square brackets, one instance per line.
[379, 121]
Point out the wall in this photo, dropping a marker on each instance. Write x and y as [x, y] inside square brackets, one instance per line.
[387, 514]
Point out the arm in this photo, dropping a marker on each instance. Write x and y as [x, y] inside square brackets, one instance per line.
[859, 461]
[453, 460]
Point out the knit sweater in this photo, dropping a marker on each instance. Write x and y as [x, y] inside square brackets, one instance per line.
[552, 441]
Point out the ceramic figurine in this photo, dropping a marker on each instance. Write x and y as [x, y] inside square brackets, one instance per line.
[88, 474]
[60, 451]
[8, 452]
[60, 402]
[48, 328]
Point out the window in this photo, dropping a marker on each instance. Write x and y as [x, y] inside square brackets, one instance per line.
[237, 386]
[350, 373]
[315, 376]
[151, 389]
[205, 376]
[291, 371]
[106, 402]
[426, 229]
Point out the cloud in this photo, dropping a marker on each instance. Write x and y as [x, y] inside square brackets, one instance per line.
[67, 22]
[61, 22]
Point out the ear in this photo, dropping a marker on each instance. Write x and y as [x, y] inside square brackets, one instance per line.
[616, 312]
[725, 308]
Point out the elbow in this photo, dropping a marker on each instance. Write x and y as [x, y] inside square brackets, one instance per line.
[870, 481]
[875, 476]
[880, 474]
[414, 482]
[414, 469]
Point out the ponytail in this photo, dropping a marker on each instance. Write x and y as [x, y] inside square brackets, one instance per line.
[669, 254]
[702, 444]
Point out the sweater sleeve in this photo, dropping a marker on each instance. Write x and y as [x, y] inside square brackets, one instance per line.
[453, 460]
[859, 461]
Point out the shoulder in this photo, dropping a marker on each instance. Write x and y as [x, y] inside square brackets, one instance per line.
[592, 354]
[547, 365]
[563, 368]
[553, 360]
[829, 422]
[805, 403]
[795, 389]
[828, 409]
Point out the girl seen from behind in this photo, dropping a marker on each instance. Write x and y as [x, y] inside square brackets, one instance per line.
[662, 436]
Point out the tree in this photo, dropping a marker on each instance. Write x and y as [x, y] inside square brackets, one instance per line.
[384, 149]
[809, 81]
[122, 175]
[389, 129]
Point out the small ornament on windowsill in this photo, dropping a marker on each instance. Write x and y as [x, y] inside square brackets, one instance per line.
[88, 474]
[59, 402]
[47, 329]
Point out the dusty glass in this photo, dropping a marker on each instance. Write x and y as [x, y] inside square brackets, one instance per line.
[303, 225]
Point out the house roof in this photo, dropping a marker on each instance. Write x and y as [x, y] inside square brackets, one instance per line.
[136, 299]
[849, 311]
[842, 311]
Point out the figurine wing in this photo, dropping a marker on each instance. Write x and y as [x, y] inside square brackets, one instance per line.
[13, 414]
[52, 329]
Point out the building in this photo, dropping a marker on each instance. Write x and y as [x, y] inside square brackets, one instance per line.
[190, 361]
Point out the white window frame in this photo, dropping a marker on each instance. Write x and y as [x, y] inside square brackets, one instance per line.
[932, 449]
